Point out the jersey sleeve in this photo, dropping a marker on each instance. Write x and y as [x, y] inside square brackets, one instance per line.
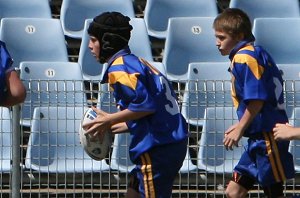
[250, 74]
[130, 92]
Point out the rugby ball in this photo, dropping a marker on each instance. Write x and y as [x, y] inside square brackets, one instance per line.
[92, 146]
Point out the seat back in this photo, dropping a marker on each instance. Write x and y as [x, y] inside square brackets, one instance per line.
[291, 87]
[189, 39]
[51, 84]
[54, 145]
[34, 39]
[294, 147]
[212, 155]
[282, 44]
[267, 8]
[73, 13]
[120, 154]
[209, 85]
[5, 140]
[28, 9]
[158, 12]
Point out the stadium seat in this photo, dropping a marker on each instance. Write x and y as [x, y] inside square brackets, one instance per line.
[291, 87]
[267, 8]
[209, 85]
[295, 144]
[139, 44]
[51, 84]
[158, 12]
[34, 39]
[120, 154]
[73, 13]
[5, 140]
[282, 41]
[28, 9]
[189, 39]
[212, 155]
[106, 100]
[54, 145]
[187, 165]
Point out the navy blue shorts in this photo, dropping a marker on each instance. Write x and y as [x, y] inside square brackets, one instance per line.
[266, 161]
[156, 170]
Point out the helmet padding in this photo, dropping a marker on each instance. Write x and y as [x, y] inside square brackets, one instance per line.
[112, 29]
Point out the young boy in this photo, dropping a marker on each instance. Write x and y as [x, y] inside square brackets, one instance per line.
[149, 110]
[258, 97]
[12, 90]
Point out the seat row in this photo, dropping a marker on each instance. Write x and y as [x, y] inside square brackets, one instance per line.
[54, 145]
[189, 40]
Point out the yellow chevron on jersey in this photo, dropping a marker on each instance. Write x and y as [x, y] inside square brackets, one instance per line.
[118, 61]
[256, 69]
[129, 80]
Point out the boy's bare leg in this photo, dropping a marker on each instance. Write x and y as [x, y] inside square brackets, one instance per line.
[235, 190]
[131, 193]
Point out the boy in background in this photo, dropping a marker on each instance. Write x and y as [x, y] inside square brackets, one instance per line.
[258, 98]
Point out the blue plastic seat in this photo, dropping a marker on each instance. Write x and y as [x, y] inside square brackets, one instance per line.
[120, 154]
[5, 140]
[283, 42]
[212, 155]
[51, 84]
[28, 9]
[291, 87]
[73, 13]
[295, 144]
[158, 12]
[139, 44]
[54, 145]
[267, 8]
[189, 39]
[34, 39]
[209, 85]
[187, 165]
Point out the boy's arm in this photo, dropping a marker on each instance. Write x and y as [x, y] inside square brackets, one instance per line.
[16, 91]
[286, 132]
[233, 136]
[105, 122]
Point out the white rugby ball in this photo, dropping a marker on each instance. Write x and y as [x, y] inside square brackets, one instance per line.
[92, 145]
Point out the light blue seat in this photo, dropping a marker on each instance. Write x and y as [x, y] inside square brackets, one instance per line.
[189, 39]
[51, 84]
[295, 144]
[120, 154]
[139, 44]
[187, 165]
[291, 87]
[212, 155]
[158, 12]
[267, 8]
[106, 100]
[54, 145]
[20, 8]
[5, 140]
[34, 39]
[283, 42]
[209, 85]
[73, 13]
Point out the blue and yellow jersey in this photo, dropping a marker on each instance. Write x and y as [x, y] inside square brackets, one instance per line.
[138, 86]
[255, 76]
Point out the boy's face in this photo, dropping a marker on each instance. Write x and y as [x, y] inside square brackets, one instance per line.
[225, 42]
[94, 46]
